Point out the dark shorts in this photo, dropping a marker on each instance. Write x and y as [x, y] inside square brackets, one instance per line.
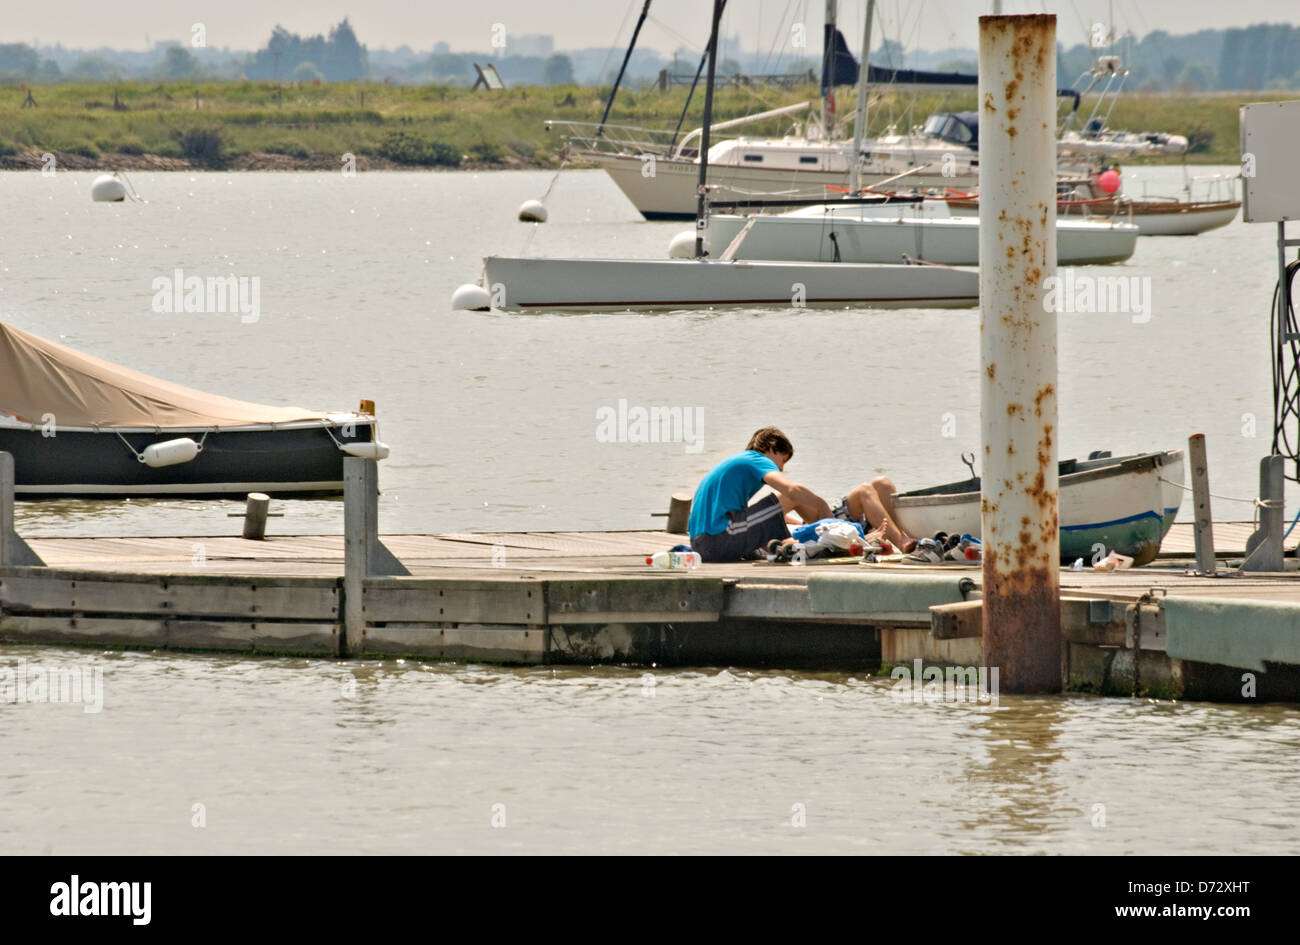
[752, 527]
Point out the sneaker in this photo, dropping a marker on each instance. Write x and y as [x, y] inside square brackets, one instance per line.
[927, 551]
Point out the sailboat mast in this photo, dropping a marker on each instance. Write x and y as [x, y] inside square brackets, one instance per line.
[645, 10]
[828, 72]
[860, 122]
[701, 220]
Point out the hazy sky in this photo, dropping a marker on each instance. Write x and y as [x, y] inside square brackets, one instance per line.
[577, 23]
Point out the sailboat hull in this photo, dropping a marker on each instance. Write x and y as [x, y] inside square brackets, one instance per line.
[591, 285]
[670, 192]
[1151, 217]
[858, 237]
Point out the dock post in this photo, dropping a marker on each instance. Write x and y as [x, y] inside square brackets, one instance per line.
[1018, 378]
[1264, 548]
[259, 504]
[364, 555]
[1203, 523]
[679, 512]
[13, 550]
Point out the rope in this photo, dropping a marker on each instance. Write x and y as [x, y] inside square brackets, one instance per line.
[554, 178]
[130, 187]
[139, 454]
[1260, 503]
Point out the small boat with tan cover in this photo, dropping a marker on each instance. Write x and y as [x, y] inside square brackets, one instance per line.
[81, 426]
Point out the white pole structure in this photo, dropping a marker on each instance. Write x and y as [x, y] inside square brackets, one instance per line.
[1018, 383]
[860, 123]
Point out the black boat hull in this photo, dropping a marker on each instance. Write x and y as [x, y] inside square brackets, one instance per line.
[295, 460]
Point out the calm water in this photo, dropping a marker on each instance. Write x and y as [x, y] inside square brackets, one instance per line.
[418, 757]
[492, 419]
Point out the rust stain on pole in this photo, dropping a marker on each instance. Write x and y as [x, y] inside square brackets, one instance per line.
[1021, 611]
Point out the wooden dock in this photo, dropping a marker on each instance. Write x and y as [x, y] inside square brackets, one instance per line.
[588, 597]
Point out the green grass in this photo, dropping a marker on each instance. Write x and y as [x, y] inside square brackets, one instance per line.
[484, 127]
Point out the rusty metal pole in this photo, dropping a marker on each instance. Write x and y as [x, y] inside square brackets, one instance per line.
[1017, 104]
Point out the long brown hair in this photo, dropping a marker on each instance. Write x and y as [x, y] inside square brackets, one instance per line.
[770, 438]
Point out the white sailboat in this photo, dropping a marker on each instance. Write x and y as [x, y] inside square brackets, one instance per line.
[536, 284]
[876, 233]
[853, 231]
[803, 164]
[1094, 141]
[942, 153]
[520, 284]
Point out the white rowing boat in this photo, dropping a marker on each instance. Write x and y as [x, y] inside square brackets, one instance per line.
[1124, 504]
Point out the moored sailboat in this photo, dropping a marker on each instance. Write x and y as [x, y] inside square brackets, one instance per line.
[539, 284]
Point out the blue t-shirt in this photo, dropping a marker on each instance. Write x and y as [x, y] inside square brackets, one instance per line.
[727, 487]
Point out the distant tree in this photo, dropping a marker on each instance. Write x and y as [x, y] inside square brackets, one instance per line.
[338, 58]
[1230, 56]
[94, 67]
[1196, 77]
[178, 63]
[558, 70]
[18, 59]
[890, 54]
[451, 68]
[1172, 67]
[307, 72]
[345, 57]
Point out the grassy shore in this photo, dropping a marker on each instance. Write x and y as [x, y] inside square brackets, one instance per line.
[249, 125]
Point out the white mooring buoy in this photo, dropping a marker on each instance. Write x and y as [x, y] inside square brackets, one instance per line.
[107, 188]
[682, 246]
[471, 298]
[532, 211]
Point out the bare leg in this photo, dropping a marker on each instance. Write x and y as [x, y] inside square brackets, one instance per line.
[874, 502]
[809, 511]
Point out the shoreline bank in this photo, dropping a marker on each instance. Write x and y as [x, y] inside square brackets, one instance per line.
[250, 161]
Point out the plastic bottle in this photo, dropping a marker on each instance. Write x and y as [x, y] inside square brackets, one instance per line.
[674, 560]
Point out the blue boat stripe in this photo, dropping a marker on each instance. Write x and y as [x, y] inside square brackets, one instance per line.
[1118, 521]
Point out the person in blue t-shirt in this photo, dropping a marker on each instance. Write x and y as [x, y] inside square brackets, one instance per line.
[723, 525]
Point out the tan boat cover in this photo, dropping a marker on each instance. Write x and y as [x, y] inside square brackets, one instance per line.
[39, 377]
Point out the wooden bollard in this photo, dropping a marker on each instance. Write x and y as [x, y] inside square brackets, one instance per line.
[679, 512]
[259, 504]
[1203, 520]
